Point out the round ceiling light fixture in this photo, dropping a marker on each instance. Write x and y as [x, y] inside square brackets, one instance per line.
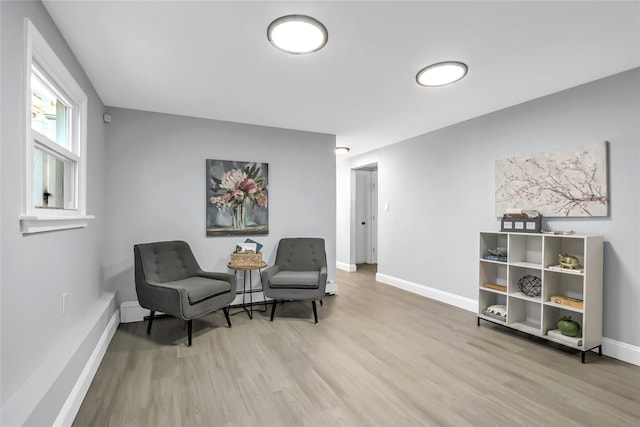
[441, 74]
[342, 150]
[297, 34]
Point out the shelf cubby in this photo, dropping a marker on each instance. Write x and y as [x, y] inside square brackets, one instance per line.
[569, 245]
[493, 272]
[562, 284]
[525, 250]
[524, 315]
[489, 297]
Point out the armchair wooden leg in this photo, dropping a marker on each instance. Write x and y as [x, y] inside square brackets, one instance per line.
[225, 310]
[273, 309]
[150, 321]
[320, 303]
[315, 312]
[189, 330]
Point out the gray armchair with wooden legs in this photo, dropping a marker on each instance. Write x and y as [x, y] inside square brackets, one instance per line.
[169, 279]
[299, 273]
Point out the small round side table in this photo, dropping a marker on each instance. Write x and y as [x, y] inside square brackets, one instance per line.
[248, 268]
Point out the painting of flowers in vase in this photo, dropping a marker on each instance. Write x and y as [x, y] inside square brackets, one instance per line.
[237, 198]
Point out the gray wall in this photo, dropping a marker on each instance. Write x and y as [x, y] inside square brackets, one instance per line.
[440, 189]
[43, 351]
[156, 187]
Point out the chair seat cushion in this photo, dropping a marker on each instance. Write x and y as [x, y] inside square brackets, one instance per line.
[201, 288]
[295, 280]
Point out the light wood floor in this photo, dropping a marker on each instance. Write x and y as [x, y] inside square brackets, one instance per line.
[379, 357]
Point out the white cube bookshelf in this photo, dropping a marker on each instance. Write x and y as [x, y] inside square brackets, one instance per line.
[537, 255]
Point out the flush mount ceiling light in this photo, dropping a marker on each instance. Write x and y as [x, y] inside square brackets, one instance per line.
[342, 150]
[297, 34]
[442, 73]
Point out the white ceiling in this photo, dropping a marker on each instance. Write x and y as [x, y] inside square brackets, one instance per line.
[212, 59]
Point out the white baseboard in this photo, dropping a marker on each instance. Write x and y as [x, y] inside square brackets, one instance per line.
[621, 351]
[74, 401]
[130, 311]
[346, 267]
[332, 288]
[435, 294]
[611, 348]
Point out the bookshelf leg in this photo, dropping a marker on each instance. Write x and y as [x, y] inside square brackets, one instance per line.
[583, 355]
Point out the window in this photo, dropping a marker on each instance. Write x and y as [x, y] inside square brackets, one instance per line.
[55, 141]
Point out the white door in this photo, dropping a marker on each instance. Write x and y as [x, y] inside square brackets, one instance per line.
[373, 249]
[363, 203]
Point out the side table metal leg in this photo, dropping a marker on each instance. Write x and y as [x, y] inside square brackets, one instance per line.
[250, 294]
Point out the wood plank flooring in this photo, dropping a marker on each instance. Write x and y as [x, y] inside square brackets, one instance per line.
[380, 356]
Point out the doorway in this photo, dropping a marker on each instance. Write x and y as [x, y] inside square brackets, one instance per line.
[366, 214]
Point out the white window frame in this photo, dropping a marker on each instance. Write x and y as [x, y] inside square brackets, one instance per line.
[74, 215]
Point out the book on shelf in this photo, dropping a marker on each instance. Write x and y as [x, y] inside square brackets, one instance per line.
[495, 286]
[570, 270]
[555, 333]
[568, 301]
[496, 258]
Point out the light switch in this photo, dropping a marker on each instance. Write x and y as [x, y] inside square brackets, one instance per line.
[386, 206]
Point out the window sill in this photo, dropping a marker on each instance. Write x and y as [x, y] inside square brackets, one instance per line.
[30, 224]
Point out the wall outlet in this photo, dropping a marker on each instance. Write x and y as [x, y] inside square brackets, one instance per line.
[65, 301]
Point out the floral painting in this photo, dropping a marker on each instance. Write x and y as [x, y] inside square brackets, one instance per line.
[237, 198]
[568, 182]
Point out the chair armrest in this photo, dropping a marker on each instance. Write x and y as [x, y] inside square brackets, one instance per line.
[162, 297]
[267, 274]
[323, 275]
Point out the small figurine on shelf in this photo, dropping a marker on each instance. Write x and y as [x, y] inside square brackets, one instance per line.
[568, 261]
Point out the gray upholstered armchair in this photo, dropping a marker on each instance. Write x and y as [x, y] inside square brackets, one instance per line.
[300, 273]
[169, 280]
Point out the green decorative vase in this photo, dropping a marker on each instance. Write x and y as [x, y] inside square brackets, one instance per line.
[568, 327]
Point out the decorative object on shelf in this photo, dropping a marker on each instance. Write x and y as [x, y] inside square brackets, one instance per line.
[558, 232]
[568, 261]
[498, 251]
[567, 182]
[497, 254]
[499, 309]
[568, 327]
[522, 224]
[496, 311]
[237, 196]
[569, 302]
[530, 285]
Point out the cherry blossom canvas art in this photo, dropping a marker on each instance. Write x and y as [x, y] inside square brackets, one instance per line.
[562, 183]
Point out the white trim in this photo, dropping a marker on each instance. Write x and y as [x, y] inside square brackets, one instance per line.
[615, 349]
[72, 405]
[621, 351]
[130, 311]
[332, 288]
[34, 220]
[346, 267]
[435, 294]
[37, 224]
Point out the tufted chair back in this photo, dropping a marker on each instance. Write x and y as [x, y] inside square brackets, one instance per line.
[301, 254]
[164, 262]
